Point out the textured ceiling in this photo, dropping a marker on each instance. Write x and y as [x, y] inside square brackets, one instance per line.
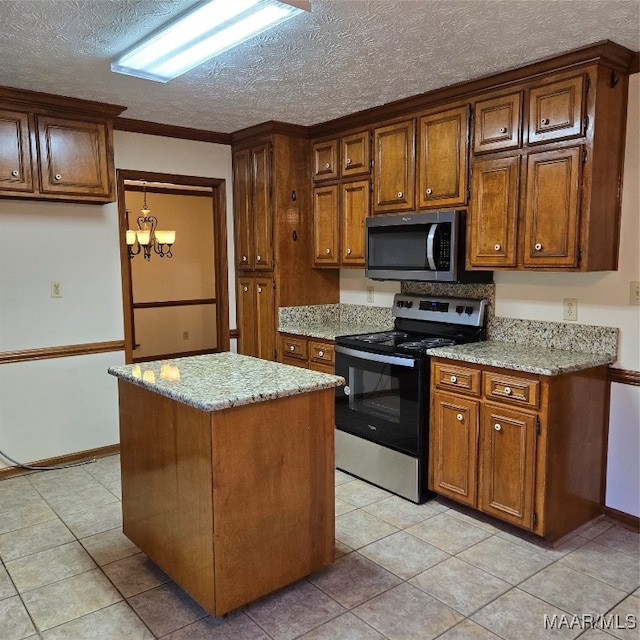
[344, 56]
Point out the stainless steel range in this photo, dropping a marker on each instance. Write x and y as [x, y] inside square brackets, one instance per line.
[382, 412]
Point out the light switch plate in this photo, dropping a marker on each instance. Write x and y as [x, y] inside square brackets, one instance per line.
[56, 289]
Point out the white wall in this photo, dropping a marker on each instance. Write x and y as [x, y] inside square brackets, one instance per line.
[53, 407]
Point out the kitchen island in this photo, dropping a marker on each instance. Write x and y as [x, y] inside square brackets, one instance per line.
[228, 472]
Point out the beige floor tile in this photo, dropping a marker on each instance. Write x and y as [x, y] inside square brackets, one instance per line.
[359, 528]
[109, 546]
[60, 602]
[33, 539]
[403, 554]
[60, 481]
[105, 470]
[294, 611]
[95, 519]
[341, 477]
[342, 549]
[353, 579]
[407, 613]
[448, 533]
[595, 634]
[93, 499]
[344, 627]
[460, 585]
[516, 615]
[606, 564]
[117, 622]
[506, 560]
[343, 507]
[135, 574]
[402, 513]
[476, 521]
[360, 493]
[552, 552]
[572, 591]
[32, 511]
[166, 608]
[621, 539]
[15, 492]
[235, 626]
[624, 620]
[6, 586]
[468, 630]
[14, 620]
[51, 565]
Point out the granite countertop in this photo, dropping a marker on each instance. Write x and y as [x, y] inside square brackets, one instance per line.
[329, 330]
[532, 359]
[223, 380]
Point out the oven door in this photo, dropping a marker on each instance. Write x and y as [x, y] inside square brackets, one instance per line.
[382, 400]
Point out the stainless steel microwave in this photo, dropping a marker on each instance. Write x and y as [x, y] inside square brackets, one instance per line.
[428, 247]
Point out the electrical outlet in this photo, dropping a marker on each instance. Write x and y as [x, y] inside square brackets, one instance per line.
[56, 289]
[369, 294]
[185, 335]
[570, 307]
[634, 293]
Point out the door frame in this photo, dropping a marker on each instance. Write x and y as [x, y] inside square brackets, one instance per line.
[219, 201]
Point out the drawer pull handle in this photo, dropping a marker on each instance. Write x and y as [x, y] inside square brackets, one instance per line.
[544, 121]
[538, 246]
[497, 247]
[15, 173]
[459, 417]
[400, 194]
[454, 379]
[503, 129]
[244, 259]
[258, 258]
[245, 289]
[507, 391]
[327, 251]
[429, 192]
[497, 427]
[348, 252]
[58, 176]
[348, 161]
[327, 166]
[321, 353]
[259, 289]
[292, 347]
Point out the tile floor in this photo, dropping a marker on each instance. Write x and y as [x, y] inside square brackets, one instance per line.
[404, 572]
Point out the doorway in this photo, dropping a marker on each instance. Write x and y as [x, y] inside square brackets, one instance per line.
[175, 306]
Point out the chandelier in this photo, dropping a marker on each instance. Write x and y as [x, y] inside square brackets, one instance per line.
[147, 235]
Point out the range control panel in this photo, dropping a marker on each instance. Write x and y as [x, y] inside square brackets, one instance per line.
[465, 311]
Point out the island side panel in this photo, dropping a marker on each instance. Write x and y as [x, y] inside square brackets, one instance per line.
[273, 493]
[165, 450]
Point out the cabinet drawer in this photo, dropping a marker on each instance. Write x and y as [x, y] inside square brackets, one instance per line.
[325, 160]
[294, 348]
[321, 352]
[459, 378]
[521, 391]
[497, 124]
[295, 362]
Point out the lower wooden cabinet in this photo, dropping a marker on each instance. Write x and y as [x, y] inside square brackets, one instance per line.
[525, 448]
[256, 316]
[308, 353]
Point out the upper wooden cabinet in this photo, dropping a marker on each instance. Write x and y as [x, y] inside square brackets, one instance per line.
[326, 224]
[354, 209]
[442, 158]
[355, 154]
[497, 123]
[394, 155]
[54, 148]
[325, 160]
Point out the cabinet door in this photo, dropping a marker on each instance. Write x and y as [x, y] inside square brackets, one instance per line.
[394, 167]
[325, 160]
[242, 210]
[265, 319]
[356, 154]
[442, 173]
[551, 213]
[73, 158]
[507, 453]
[453, 447]
[15, 152]
[246, 309]
[355, 209]
[496, 125]
[556, 110]
[492, 212]
[261, 206]
[325, 226]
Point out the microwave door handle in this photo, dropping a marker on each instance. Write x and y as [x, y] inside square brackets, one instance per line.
[430, 242]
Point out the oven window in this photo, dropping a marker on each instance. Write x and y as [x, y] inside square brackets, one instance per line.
[376, 394]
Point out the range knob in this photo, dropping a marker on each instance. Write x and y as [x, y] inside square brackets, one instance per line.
[408, 304]
[468, 310]
[459, 308]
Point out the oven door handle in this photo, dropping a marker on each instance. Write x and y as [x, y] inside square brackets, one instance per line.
[411, 363]
[431, 259]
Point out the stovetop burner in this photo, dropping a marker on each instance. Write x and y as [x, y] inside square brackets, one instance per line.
[383, 336]
[427, 343]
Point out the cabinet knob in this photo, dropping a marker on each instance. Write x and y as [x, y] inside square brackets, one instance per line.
[429, 192]
[58, 176]
[400, 194]
[321, 353]
[244, 258]
[258, 258]
[259, 289]
[245, 289]
[348, 252]
[497, 427]
[544, 121]
[348, 161]
[538, 246]
[327, 251]
[507, 391]
[292, 347]
[15, 173]
[454, 379]
[327, 166]
[503, 129]
[497, 247]
[459, 417]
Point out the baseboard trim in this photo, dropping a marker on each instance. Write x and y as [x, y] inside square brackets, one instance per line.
[625, 518]
[70, 458]
[64, 351]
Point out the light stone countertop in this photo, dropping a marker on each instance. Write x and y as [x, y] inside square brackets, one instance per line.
[223, 380]
[329, 330]
[519, 357]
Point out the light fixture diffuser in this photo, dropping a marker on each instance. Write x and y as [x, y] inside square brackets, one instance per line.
[205, 31]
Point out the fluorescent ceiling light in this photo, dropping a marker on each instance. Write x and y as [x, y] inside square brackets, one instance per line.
[207, 30]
